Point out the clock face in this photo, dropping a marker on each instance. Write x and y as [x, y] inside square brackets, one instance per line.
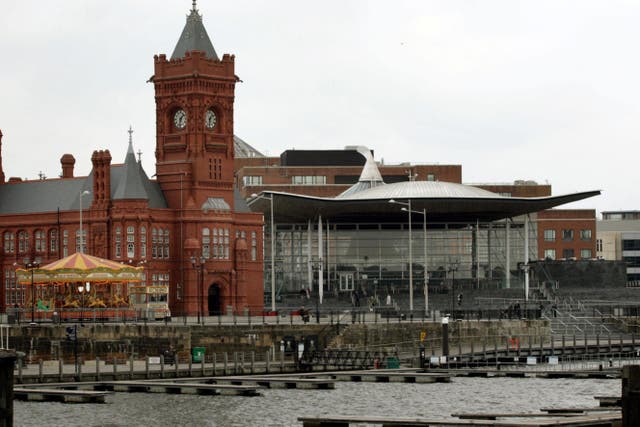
[210, 119]
[180, 119]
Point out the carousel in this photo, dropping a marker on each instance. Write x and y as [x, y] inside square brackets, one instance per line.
[79, 284]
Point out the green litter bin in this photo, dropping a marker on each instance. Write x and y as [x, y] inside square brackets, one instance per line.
[197, 354]
[393, 363]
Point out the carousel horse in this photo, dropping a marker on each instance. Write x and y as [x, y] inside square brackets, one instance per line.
[118, 301]
[95, 302]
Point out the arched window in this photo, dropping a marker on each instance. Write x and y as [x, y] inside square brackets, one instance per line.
[118, 242]
[206, 240]
[166, 243]
[65, 243]
[154, 243]
[53, 240]
[9, 243]
[254, 246]
[40, 240]
[143, 242]
[131, 241]
[23, 241]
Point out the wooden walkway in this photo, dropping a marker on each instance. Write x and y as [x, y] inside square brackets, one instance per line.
[59, 395]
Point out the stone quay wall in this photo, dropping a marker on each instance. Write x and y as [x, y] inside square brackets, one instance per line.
[122, 341]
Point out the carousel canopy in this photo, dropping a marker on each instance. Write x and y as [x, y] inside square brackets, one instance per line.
[80, 268]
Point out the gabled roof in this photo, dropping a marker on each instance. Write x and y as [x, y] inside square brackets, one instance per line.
[131, 184]
[194, 37]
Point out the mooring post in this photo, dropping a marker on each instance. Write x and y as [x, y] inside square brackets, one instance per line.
[445, 337]
[631, 395]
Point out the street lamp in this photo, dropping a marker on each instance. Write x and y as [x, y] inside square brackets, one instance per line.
[82, 288]
[198, 265]
[85, 192]
[453, 267]
[426, 272]
[32, 265]
[273, 248]
[409, 210]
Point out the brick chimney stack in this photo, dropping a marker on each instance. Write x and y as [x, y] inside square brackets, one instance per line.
[67, 161]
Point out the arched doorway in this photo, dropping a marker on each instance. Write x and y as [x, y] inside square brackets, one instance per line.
[213, 300]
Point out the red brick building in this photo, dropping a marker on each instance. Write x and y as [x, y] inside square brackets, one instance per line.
[191, 211]
[567, 234]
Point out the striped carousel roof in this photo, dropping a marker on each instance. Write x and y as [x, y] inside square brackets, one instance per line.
[80, 267]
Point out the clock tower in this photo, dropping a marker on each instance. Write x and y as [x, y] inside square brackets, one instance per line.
[194, 92]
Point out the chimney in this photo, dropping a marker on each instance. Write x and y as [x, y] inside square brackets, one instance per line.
[67, 161]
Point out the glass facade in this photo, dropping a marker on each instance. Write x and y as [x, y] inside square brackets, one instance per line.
[375, 257]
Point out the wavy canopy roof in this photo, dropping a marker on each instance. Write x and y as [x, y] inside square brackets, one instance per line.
[442, 201]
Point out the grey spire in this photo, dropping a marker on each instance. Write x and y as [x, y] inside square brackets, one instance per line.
[132, 182]
[194, 37]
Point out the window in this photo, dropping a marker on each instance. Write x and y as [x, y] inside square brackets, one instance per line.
[585, 234]
[206, 240]
[154, 243]
[549, 235]
[631, 245]
[431, 177]
[166, 243]
[65, 243]
[549, 254]
[143, 242]
[9, 243]
[308, 179]
[585, 253]
[14, 293]
[23, 241]
[53, 241]
[131, 242]
[41, 241]
[220, 243]
[254, 246]
[252, 180]
[567, 235]
[568, 253]
[81, 246]
[118, 242]
[598, 245]
[215, 168]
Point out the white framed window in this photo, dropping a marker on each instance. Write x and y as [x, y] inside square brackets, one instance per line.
[23, 241]
[567, 235]
[585, 235]
[9, 242]
[254, 246]
[586, 254]
[549, 254]
[206, 242]
[549, 235]
[143, 242]
[53, 241]
[118, 242]
[131, 242]
[65, 243]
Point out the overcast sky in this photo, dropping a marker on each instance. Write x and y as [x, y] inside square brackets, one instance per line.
[536, 90]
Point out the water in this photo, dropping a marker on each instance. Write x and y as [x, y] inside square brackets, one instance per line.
[281, 407]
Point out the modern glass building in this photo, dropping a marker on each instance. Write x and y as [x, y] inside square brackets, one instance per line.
[379, 237]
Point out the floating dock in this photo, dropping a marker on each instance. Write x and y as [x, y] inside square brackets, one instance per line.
[60, 395]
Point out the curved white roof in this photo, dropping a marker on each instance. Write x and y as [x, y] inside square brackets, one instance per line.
[421, 189]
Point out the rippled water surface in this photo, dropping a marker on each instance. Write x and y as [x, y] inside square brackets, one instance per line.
[283, 407]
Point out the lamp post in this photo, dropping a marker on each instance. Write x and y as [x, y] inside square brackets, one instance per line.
[453, 267]
[424, 244]
[409, 211]
[85, 192]
[32, 265]
[82, 288]
[273, 247]
[198, 265]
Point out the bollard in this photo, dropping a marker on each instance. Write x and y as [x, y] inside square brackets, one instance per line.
[445, 337]
[631, 395]
[267, 360]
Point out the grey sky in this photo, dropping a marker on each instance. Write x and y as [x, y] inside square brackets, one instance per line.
[541, 90]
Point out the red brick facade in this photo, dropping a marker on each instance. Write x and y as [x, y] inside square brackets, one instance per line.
[198, 217]
[567, 234]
